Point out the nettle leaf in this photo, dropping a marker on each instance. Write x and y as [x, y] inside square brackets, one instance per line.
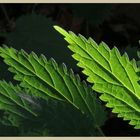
[15, 106]
[46, 78]
[113, 75]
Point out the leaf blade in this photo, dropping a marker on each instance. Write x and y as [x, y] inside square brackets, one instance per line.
[59, 84]
[113, 75]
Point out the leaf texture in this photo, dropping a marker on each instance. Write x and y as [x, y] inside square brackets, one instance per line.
[112, 74]
[45, 78]
[12, 102]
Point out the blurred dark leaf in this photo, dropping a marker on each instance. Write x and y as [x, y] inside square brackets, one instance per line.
[35, 33]
[59, 119]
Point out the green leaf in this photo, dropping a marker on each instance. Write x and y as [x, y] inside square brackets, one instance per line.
[46, 78]
[113, 75]
[15, 106]
[54, 119]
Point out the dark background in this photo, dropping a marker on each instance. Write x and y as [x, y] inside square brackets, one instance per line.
[116, 24]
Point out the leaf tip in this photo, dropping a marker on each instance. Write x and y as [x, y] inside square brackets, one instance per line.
[60, 30]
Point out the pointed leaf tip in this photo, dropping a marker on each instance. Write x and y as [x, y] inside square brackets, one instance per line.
[60, 30]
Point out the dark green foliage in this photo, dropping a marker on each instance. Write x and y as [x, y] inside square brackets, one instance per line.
[61, 120]
[35, 33]
[54, 118]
